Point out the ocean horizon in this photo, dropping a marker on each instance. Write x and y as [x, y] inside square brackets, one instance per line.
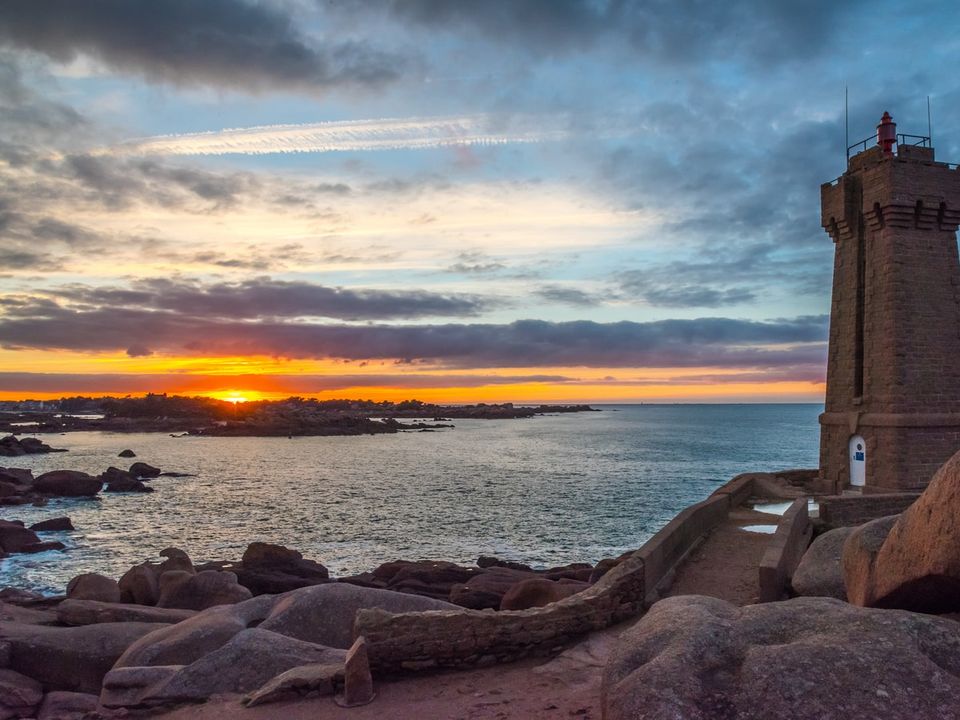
[549, 490]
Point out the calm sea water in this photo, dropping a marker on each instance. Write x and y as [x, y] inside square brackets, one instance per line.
[546, 491]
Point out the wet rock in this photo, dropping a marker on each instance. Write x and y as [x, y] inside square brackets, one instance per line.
[537, 592]
[357, 680]
[92, 612]
[121, 481]
[20, 477]
[53, 525]
[43, 546]
[429, 578]
[60, 705]
[244, 663]
[820, 572]
[19, 695]
[488, 561]
[91, 586]
[316, 679]
[69, 658]
[179, 589]
[128, 453]
[701, 658]
[859, 553]
[918, 566]
[274, 569]
[11, 446]
[67, 483]
[14, 537]
[140, 584]
[142, 470]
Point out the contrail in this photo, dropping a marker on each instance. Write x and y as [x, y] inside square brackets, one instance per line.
[382, 134]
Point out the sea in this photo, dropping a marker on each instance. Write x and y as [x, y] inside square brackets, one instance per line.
[547, 491]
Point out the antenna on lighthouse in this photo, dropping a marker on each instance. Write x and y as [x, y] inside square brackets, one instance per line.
[846, 119]
[929, 123]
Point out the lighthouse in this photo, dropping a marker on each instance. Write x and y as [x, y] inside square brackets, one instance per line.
[892, 410]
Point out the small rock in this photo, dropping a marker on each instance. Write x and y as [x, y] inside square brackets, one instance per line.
[128, 453]
[537, 592]
[53, 525]
[318, 679]
[19, 695]
[357, 680]
[140, 585]
[14, 537]
[141, 469]
[180, 589]
[820, 572]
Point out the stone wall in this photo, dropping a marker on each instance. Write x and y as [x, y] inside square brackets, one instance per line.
[408, 642]
[782, 556]
[850, 510]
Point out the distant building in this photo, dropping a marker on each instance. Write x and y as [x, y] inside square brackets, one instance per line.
[892, 413]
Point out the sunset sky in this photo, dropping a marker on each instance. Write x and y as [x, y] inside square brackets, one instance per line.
[453, 200]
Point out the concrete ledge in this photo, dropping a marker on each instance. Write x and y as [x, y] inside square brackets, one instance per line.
[737, 490]
[783, 554]
[669, 546]
[846, 510]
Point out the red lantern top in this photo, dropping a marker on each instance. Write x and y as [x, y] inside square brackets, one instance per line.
[887, 134]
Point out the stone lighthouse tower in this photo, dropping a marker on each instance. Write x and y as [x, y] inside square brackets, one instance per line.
[892, 413]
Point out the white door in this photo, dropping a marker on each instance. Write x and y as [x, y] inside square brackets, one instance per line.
[858, 461]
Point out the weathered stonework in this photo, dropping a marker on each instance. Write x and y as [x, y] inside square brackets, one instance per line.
[893, 374]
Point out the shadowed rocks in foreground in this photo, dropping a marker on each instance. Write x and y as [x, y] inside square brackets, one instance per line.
[701, 658]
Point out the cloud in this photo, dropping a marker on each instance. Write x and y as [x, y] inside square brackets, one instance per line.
[267, 298]
[525, 343]
[568, 296]
[475, 263]
[124, 383]
[413, 133]
[677, 32]
[219, 43]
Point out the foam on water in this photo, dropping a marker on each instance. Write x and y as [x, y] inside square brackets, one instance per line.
[546, 491]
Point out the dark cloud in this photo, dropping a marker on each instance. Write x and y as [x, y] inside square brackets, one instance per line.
[475, 263]
[123, 383]
[267, 298]
[220, 43]
[568, 296]
[15, 259]
[525, 343]
[671, 31]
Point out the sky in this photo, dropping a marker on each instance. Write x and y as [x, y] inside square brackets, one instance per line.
[452, 200]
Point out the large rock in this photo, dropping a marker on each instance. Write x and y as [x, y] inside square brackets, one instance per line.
[91, 586]
[820, 572]
[92, 612]
[537, 592]
[324, 614]
[60, 705]
[14, 537]
[176, 559]
[859, 554]
[317, 679]
[189, 640]
[321, 614]
[69, 658]
[180, 589]
[274, 569]
[429, 578]
[140, 585]
[242, 664]
[701, 658]
[918, 566]
[67, 483]
[19, 695]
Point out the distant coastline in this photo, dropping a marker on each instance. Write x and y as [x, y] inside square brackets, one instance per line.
[293, 417]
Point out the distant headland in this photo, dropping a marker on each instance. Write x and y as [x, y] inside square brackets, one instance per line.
[294, 416]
